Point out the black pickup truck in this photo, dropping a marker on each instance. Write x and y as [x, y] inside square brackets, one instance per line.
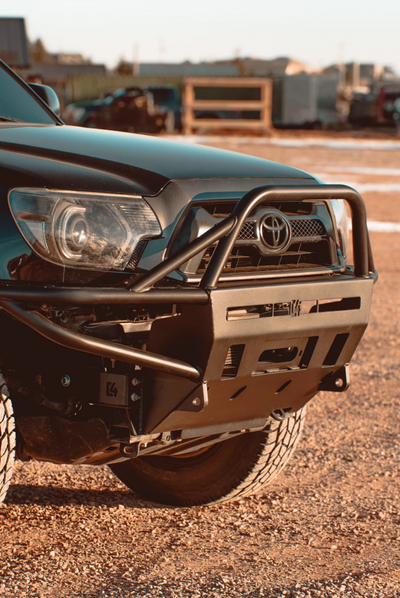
[166, 310]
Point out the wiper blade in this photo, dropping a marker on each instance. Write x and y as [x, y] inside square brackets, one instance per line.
[8, 119]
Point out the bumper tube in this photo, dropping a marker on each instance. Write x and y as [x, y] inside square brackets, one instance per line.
[87, 344]
[101, 296]
[183, 255]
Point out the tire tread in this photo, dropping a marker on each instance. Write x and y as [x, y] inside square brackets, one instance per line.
[7, 439]
[280, 441]
[229, 471]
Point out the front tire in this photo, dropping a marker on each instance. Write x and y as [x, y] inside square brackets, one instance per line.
[229, 470]
[7, 439]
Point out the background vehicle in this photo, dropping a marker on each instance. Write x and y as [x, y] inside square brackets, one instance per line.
[168, 99]
[378, 108]
[364, 110]
[166, 310]
[389, 103]
[129, 109]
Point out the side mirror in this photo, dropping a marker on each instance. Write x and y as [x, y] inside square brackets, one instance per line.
[48, 95]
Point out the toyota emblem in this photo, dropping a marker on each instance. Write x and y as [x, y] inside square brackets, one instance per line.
[275, 231]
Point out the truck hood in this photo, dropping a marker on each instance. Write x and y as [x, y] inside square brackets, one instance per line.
[149, 162]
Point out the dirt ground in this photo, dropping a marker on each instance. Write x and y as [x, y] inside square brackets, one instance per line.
[329, 526]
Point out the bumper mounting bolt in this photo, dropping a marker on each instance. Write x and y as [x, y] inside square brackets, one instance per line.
[130, 450]
[65, 381]
[339, 382]
[196, 402]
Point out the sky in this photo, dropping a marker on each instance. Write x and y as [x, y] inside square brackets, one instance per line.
[318, 32]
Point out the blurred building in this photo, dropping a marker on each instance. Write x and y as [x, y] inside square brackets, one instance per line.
[13, 42]
[361, 75]
[185, 69]
[70, 58]
[58, 75]
[369, 94]
[237, 67]
[276, 67]
[56, 69]
[39, 55]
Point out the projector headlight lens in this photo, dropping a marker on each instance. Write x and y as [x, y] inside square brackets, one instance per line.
[83, 230]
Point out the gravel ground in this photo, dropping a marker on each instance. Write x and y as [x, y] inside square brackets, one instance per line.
[329, 526]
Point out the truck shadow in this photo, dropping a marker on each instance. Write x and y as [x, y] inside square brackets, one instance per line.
[28, 494]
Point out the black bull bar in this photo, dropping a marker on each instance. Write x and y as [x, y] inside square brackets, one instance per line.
[188, 350]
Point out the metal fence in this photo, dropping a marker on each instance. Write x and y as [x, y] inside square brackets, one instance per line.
[82, 88]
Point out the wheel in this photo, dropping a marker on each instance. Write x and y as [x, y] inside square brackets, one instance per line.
[7, 439]
[229, 470]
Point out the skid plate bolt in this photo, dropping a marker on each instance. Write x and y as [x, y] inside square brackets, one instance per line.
[339, 383]
[65, 381]
[196, 402]
[129, 450]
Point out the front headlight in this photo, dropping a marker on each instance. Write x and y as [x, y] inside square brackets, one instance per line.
[340, 214]
[95, 231]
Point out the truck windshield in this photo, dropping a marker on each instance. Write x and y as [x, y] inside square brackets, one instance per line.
[17, 104]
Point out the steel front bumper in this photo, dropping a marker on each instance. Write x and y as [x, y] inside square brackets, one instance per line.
[256, 365]
[282, 357]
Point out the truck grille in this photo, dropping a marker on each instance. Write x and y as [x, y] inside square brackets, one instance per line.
[307, 228]
[312, 242]
[247, 232]
[248, 259]
[301, 229]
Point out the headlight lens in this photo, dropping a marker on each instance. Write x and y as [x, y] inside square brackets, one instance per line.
[85, 230]
[340, 213]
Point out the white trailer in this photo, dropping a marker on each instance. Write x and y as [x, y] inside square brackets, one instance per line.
[305, 100]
